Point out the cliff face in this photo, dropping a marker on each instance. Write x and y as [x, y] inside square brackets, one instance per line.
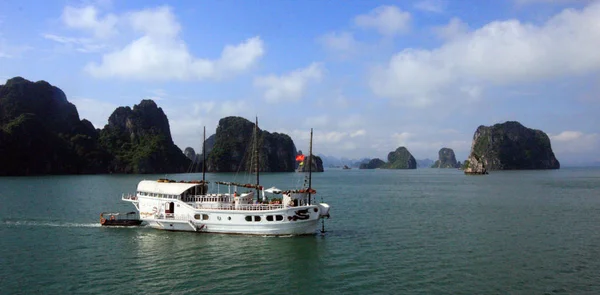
[401, 158]
[233, 148]
[140, 141]
[372, 164]
[509, 146]
[446, 159]
[317, 164]
[41, 133]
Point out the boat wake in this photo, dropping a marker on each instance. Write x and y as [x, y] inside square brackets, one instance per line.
[46, 223]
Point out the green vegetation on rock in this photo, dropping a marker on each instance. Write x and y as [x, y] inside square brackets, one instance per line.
[401, 158]
[446, 159]
[233, 148]
[372, 164]
[509, 146]
[41, 133]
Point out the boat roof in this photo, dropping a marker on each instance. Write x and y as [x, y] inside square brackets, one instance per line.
[166, 188]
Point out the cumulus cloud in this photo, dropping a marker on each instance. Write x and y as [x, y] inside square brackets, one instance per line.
[455, 28]
[161, 54]
[388, 20]
[499, 53]
[290, 86]
[575, 146]
[88, 18]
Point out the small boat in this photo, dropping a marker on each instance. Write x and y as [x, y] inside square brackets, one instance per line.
[119, 219]
[346, 167]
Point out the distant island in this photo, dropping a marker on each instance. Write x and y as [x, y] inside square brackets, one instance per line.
[41, 133]
[446, 159]
[401, 158]
[509, 146]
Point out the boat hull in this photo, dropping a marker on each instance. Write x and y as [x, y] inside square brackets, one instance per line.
[285, 229]
[109, 222]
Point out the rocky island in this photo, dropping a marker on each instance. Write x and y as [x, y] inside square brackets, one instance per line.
[446, 159]
[509, 146]
[233, 148]
[372, 164]
[41, 133]
[401, 158]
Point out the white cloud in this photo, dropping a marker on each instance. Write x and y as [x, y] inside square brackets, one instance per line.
[434, 6]
[87, 18]
[569, 143]
[387, 20]
[360, 132]
[499, 53]
[339, 42]
[317, 121]
[161, 54]
[291, 86]
[525, 2]
[455, 28]
[86, 45]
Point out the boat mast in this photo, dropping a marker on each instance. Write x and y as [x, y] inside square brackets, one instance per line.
[310, 166]
[257, 158]
[203, 156]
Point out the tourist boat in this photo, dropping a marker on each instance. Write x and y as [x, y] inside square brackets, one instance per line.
[119, 219]
[240, 209]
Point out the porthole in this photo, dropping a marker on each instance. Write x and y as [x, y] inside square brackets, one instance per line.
[197, 216]
[279, 217]
[269, 217]
[248, 218]
[257, 218]
[204, 216]
[219, 218]
[229, 218]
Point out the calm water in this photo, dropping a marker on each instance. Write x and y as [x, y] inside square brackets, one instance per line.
[391, 232]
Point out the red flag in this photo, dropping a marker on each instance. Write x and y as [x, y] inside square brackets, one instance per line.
[300, 158]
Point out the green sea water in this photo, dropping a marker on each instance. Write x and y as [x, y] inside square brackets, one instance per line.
[425, 231]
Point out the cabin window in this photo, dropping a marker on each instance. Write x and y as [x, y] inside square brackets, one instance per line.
[229, 218]
[279, 217]
[197, 216]
[256, 218]
[269, 217]
[204, 216]
[248, 218]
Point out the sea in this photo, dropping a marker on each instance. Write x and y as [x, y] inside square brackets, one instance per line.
[424, 231]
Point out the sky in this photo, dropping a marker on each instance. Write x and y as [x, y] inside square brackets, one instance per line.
[367, 76]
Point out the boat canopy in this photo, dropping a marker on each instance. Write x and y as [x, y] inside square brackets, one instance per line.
[273, 190]
[165, 188]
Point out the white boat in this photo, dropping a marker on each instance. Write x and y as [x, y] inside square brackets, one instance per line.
[185, 206]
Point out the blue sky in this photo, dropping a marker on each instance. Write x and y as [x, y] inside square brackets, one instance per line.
[368, 76]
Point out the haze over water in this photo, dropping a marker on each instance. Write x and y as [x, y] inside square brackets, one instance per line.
[429, 231]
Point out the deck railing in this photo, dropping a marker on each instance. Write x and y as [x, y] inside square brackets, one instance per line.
[245, 207]
[131, 197]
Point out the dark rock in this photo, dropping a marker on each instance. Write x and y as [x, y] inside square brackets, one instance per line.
[401, 158]
[509, 146]
[233, 148]
[317, 164]
[372, 164]
[447, 159]
[140, 141]
[41, 133]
